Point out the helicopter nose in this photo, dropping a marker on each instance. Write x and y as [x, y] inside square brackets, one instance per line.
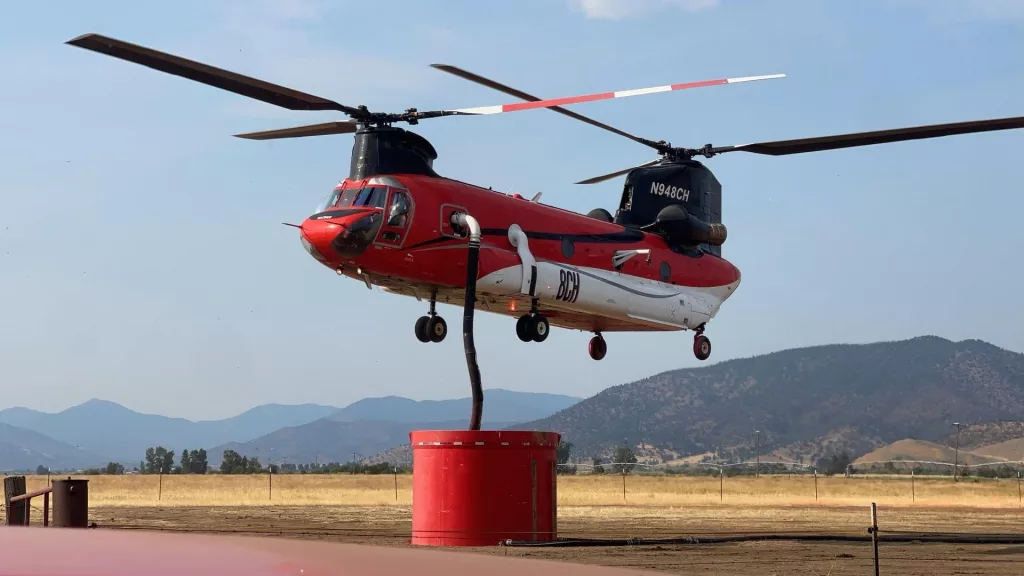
[316, 237]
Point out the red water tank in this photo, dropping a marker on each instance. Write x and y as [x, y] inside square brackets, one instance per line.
[479, 487]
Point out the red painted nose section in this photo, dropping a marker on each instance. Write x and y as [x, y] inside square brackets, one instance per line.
[319, 234]
[342, 235]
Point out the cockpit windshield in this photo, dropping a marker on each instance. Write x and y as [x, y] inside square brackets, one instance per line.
[330, 201]
[370, 196]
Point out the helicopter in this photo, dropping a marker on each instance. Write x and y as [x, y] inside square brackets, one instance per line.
[396, 224]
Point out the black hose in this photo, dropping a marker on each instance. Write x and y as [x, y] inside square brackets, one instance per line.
[899, 538]
[467, 334]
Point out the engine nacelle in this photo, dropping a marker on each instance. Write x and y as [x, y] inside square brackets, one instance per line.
[682, 228]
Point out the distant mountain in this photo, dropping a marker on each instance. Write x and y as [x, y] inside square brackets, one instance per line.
[328, 440]
[117, 433]
[499, 405]
[806, 403]
[23, 449]
[374, 425]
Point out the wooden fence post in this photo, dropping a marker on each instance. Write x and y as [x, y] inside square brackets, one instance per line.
[14, 486]
[874, 533]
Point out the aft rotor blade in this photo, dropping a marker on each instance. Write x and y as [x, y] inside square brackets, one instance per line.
[324, 129]
[611, 175]
[217, 77]
[782, 147]
[467, 75]
[605, 95]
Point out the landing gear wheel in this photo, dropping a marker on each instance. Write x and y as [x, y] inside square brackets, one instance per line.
[421, 329]
[436, 329]
[597, 347]
[538, 328]
[701, 347]
[523, 328]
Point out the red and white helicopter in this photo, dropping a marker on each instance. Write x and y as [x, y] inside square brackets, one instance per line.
[655, 265]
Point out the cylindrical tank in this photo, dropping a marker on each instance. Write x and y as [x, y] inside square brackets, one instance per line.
[479, 487]
[71, 503]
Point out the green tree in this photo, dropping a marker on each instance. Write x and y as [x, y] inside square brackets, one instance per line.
[186, 462]
[624, 459]
[230, 462]
[113, 468]
[598, 468]
[198, 461]
[836, 464]
[167, 462]
[42, 470]
[562, 452]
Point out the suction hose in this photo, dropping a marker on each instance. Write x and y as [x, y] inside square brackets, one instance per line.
[467, 221]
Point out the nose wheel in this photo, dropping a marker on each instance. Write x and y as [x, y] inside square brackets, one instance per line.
[701, 345]
[431, 328]
[597, 347]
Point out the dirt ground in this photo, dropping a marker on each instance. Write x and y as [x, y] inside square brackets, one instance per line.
[390, 526]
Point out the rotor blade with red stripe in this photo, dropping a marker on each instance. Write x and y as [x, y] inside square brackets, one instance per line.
[608, 95]
[478, 79]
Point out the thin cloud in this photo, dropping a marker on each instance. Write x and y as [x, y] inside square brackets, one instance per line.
[624, 9]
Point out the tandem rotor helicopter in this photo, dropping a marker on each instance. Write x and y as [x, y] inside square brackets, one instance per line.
[395, 223]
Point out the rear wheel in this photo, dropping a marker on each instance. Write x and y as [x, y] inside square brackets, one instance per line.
[701, 347]
[597, 347]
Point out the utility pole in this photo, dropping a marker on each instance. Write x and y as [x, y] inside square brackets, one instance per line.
[956, 452]
[757, 451]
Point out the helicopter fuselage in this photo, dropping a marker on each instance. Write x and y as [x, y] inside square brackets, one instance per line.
[395, 231]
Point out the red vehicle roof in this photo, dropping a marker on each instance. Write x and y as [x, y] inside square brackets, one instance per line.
[99, 552]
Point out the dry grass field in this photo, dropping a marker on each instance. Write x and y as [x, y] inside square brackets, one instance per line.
[365, 509]
[659, 492]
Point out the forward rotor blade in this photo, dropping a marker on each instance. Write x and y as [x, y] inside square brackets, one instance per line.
[217, 77]
[324, 129]
[611, 175]
[466, 75]
[800, 146]
[602, 95]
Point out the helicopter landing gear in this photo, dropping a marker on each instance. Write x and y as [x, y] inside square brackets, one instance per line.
[431, 328]
[701, 344]
[533, 327]
[597, 347]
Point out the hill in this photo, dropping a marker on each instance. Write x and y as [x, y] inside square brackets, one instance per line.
[923, 451]
[500, 405]
[120, 434]
[328, 440]
[986, 433]
[23, 449]
[807, 402]
[1012, 450]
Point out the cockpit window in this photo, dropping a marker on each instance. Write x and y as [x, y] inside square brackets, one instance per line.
[398, 213]
[370, 196]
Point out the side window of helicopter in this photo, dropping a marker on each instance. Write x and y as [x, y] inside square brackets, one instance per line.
[398, 212]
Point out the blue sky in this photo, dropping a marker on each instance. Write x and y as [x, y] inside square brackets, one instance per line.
[142, 258]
